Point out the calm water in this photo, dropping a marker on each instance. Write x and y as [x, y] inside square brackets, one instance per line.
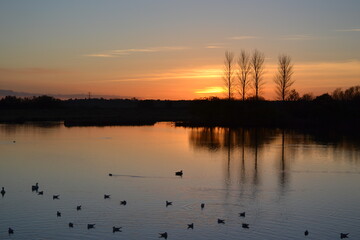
[286, 182]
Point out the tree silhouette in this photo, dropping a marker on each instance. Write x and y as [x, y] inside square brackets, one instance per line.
[283, 76]
[244, 72]
[228, 75]
[257, 70]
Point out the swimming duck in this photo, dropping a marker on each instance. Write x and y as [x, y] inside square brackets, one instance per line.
[344, 235]
[56, 197]
[58, 214]
[242, 214]
[106, 196]
[41, 193]
[116, 229]
[168, 203]
[191, 226]
[179, 173]
[11, 231]
[202, 206]
[221, 221]
[35, 187]
[71, 225]
[163, 235]
[306, 233]
[3, 191]
[123, 202]
[90, 226]
[78, 208]
[245, 225]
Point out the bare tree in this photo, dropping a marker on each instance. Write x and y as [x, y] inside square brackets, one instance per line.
[228, 75]
[257, 70]
[244, 72]
[283, 76]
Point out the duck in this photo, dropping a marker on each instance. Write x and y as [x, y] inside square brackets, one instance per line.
[344, 235]
[106, 196]
[202, 206]
[58, 214]
[163, 235]
[11, 231]
[168, 203]
[221, 221]
[123, 202]
[56, 197]
[110, 174]
[306, 233]
[242, 214]
[89, 226]
[78, 208]
[245, 225]
[71, 225]
[35, 187]
[179, 173]
[41, 193]
[116, 229]
[190, 226]
[2, 191]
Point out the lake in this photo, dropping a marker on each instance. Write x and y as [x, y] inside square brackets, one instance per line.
[286, 182]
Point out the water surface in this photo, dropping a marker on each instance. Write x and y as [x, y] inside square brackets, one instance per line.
[285, 181]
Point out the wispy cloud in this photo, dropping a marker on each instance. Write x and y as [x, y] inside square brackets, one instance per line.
[298, 37]
[348, 30]
[215, 45]
[122, 52]
[243, 37]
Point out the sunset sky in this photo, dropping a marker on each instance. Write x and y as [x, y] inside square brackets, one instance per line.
[167, 49]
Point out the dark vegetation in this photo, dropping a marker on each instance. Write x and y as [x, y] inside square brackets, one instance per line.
[339, 110]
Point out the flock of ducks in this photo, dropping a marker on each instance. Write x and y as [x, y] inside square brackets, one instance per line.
[35, 188]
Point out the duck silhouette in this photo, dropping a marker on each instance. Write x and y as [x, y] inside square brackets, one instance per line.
[306, 233]
[190, 226]
[78, 208]
[2, 191]
[179, 173]
[89, 226]
[344, 235]
[116, 229]
[106, 196]
[110, 174]
[35, 187]
[123, 202]
[56, 197]
[168, 203]
[11, 231]
[245, 225]
[58, 214]
[202, 206]
[71, 225]
[242, 214]
[163, 235]
[221, 221]
[41, 193]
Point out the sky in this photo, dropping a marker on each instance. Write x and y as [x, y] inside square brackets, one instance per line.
[168, 49]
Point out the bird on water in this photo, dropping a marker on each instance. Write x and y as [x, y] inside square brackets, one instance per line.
[35, 187]
[221, 221]
[89, 226]
[106, 196]
[71, 225]
[306, 233]
[242, 214]
[78, 208]
[10, 231]
[344, 235]
[58, 214]
[190, 226]
[179, 173]
[123, 202]
[163, 235]
[202, 206]
[245, 225]
[168, 203]
[41, 193]
[2, 191]
[116, 229]
[56, 197]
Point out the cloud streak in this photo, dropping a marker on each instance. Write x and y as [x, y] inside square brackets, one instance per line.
[130, 51]
[348, 30]
[243, 37]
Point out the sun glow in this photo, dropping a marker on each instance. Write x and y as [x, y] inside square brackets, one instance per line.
[210, 90]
